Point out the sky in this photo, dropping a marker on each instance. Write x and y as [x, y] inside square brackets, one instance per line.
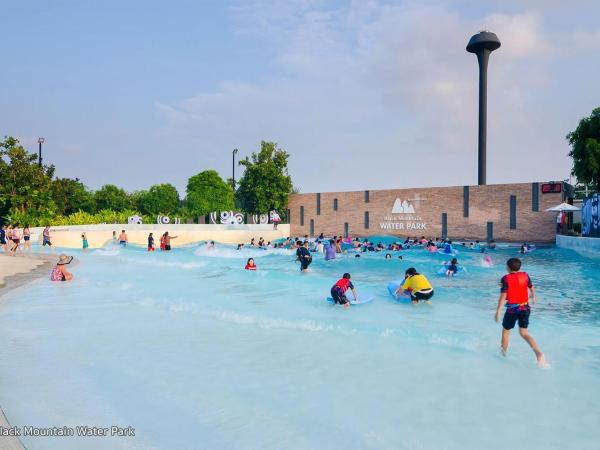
[363, 94]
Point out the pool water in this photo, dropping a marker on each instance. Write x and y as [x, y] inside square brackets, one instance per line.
[196, 353]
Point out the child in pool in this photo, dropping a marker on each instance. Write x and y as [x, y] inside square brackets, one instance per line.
[339, 289]
[388, 256]
[451, 268]
[514, 294]
[487, 261]
[250, 264]
[151, 242]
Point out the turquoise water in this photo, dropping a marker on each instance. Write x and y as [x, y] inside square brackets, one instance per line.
[194, 352]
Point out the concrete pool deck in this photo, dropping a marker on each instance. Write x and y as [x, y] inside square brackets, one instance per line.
[18, 270]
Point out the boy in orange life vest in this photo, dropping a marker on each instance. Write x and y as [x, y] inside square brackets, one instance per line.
[514, 292]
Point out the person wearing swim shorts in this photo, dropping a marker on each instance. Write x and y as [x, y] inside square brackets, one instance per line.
[46, 237]
[168, 241]
[16, 239]
[415, 285]
[515, 288]
[123, 239]
[339, 289]
[26, 239]
[150, 242]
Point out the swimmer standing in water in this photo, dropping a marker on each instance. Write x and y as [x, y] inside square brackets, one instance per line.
[123, 239]
[304, 256]
[168, 241]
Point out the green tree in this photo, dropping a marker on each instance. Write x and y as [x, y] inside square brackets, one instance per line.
[266, 183]
[111, 197]
[585, 150]
[71, 195]
[160, 199]
[25, 188]
[207, 192]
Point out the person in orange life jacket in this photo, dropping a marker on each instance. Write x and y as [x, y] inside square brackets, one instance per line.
[250, 264]
[514, 293]
[339, 289]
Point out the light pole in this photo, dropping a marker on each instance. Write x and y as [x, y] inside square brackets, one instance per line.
[482, 44]
[235, 150]
[40, 142]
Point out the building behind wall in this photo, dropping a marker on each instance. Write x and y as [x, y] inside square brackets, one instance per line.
[504, 212]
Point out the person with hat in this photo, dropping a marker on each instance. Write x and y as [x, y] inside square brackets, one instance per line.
[60, 272]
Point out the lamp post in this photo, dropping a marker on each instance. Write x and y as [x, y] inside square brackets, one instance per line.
[40, 142]
[482, 44]
[235, 150]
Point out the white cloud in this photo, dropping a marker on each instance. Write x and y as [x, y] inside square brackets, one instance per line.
[374, 95]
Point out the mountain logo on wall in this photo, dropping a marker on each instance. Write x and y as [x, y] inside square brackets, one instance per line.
[402, 207]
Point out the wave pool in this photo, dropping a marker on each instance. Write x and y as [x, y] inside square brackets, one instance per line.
[193, 352]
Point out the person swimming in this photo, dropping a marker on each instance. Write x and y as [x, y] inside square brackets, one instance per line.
[250, 264]
[388, 256]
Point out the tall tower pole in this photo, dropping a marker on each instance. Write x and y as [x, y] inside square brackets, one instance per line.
[482, 44]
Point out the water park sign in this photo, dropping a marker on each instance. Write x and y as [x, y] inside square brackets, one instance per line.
[403, 217]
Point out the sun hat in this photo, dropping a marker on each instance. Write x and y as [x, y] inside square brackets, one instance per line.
[64, 259]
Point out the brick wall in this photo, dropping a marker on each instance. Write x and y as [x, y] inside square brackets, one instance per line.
[490, 203]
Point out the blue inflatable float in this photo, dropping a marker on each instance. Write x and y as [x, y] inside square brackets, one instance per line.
[364, 297]
[393, 287]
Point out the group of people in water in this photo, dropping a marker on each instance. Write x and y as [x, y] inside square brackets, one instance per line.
[516, 289]
[516, 294]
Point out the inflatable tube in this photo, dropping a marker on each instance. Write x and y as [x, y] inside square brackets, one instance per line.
[393, 287]
[442, 271]
[442, 252]
[364, 297]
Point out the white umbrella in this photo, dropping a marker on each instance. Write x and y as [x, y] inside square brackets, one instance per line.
[564, 207]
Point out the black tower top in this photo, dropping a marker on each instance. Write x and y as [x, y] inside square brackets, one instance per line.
[483, 40]
[482, 44]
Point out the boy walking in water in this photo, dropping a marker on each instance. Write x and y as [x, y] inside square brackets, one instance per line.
[514, 293]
